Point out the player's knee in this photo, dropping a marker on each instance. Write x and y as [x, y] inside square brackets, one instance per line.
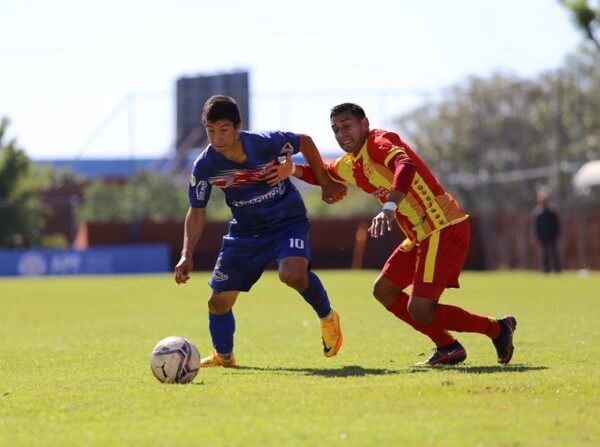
[379, 292]
[294, 278]
[420, 314]
[218, 307]
[385, 292]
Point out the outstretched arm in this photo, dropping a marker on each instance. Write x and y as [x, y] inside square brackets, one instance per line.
[331, 191]
[314, 173]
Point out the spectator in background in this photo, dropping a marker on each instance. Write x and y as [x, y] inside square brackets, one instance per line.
[16, 241]
[546, 224]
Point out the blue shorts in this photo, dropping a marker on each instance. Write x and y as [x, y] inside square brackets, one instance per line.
[243, 259]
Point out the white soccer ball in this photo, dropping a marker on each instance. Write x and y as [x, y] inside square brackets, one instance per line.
[175, 360]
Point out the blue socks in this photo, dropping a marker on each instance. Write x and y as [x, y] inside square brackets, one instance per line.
[316, 296]
[221, 329]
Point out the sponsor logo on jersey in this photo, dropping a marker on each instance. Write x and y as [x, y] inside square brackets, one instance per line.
[270, 194]
[201, 190]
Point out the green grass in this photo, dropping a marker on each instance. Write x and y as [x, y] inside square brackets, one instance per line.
[74, 367]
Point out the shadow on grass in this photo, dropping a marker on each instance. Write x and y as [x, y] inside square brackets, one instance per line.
[344, 371]
[359, 371]
[478, 369]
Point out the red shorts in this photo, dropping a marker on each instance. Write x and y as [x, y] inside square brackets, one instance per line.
[433, 265]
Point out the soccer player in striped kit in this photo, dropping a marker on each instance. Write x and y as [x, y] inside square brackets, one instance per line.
[269, 221]
[437, 235]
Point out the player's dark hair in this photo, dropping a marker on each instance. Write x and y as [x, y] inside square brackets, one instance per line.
[354, 109]
[221, 107]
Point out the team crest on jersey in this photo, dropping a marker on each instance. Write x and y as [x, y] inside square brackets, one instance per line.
[368, 170]
[193, 181]
[287, 149]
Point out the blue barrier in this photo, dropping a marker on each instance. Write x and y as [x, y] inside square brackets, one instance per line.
[106, 260]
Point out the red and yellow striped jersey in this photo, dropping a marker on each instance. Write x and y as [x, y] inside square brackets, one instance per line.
[426, 208]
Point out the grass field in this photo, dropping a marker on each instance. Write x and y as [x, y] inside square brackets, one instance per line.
[74, 367]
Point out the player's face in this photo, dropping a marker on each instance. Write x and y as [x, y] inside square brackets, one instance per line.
[223, 135]
[349, 131]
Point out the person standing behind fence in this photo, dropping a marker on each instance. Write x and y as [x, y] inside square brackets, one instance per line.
[547, 227]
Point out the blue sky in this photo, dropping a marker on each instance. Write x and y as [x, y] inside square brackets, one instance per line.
[87, 79]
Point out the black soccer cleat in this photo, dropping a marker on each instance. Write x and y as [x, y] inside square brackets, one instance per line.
[504, 341]
[446, 355]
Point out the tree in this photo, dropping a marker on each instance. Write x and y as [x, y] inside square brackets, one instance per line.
[586, 18]
[146, 197]
[503, 137]
[19, 206]
[474, 133]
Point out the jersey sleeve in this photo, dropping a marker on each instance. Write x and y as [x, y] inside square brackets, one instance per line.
[199, 187]
[404, 171]
[282, 142]
[309, 177]
[390, 150]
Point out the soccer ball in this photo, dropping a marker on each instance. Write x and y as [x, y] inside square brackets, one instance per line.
[175, 360]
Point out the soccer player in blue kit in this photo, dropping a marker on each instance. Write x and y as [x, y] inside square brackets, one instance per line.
[269, 221]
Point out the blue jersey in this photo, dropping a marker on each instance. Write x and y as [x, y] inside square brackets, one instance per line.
[257, 207]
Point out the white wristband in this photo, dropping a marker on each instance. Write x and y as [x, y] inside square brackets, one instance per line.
[293, 168]
[390, 206]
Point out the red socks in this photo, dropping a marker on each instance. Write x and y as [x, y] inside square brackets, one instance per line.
[454, 318]
[438, 335]
[447, 318]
